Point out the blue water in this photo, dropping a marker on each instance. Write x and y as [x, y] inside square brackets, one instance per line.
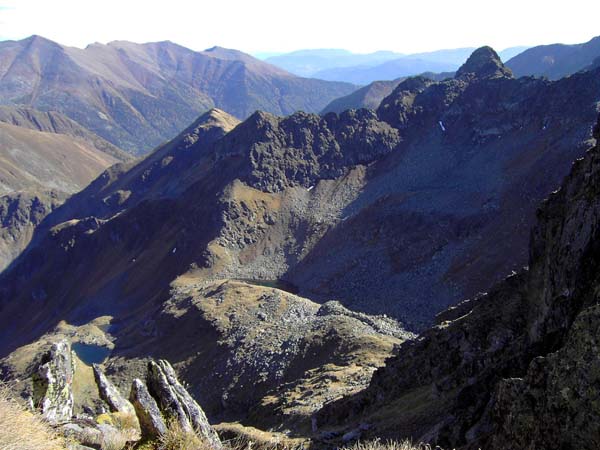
[89, 353]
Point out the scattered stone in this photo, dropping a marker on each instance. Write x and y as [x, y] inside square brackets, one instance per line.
[85, 434]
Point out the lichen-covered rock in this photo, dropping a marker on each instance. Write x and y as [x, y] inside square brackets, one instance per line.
[151, 421]
[53, 383]
[176, 402]
[110, 394]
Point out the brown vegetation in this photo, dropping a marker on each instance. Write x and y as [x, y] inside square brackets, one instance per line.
[21, 429]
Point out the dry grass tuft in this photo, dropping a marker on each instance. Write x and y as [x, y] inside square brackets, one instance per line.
[120, 430]
[177, 438]
[21, 429]
[389, 445]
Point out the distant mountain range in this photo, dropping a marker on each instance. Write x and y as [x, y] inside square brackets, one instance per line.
[557, 60]
[308, 63]
[341, 65]
[139, 95]
[552, 61]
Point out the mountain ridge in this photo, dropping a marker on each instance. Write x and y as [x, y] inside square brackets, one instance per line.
[139, 95]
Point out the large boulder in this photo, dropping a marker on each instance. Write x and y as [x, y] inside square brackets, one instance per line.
[110, 394]
[151, 421]
[176, 402]
[53, 383]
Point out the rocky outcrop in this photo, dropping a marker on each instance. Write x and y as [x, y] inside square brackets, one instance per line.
[555, 404]
[152, 423]
[518, 366]
[110, 394]
[484, 63]
[176, 402]
[301, 149]
[53, 383]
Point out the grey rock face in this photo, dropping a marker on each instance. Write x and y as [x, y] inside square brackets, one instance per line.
[175, 401]
[110, 394]
[152, 423]
[53, 383]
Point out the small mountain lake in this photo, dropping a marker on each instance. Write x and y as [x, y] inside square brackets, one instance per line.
[90, 353]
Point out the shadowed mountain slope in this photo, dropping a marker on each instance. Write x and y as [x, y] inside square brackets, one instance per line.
[370, 96]
[516, 367]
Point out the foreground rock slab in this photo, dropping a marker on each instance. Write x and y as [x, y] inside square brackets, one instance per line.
[151, 421]
[53, 383]
[175, 401]
[110, 394]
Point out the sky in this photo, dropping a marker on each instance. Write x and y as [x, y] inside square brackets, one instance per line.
[257, 26]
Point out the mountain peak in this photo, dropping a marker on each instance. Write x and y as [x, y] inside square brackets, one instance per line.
[217, 118]
[484, 63]
[36, 40]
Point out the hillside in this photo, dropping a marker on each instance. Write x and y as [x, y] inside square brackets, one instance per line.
[42, 161]
[401, 211]
[137, 96]
[368, 97]
[555, 61]
[57, 123]
[516, 367]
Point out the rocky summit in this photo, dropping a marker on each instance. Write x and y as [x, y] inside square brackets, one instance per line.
[304, 276]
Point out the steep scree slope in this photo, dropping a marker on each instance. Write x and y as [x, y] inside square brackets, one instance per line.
[517, 367]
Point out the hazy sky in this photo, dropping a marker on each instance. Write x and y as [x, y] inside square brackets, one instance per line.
[280, 25]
